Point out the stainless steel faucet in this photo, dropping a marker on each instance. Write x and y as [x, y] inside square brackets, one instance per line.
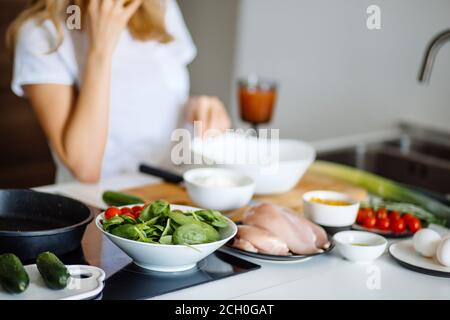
[430, 55]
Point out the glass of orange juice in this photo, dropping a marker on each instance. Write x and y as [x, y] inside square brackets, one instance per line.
[257, 98]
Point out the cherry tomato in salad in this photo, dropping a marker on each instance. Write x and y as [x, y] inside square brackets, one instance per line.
[382, 213]
[370, 222]
[136, 210]
[395, 215]
[398, 226]
[129, 214]
[383, 224]
[414, 224]
[112, 212]
[125, 210]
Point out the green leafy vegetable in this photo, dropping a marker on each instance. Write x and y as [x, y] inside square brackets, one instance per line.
[127, 231]
[181, 218]
[213, 217]
[190, 234]
[108, 225]
[158, 224]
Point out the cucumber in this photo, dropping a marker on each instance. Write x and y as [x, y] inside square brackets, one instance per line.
[53, 271]
[13, 276]
[113, 198]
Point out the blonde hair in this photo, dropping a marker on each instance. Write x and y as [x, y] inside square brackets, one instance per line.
[148, 23]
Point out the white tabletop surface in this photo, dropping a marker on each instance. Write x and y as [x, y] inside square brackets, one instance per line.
[323, 277]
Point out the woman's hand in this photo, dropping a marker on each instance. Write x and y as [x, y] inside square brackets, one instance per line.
[210, 111]
[106, 21]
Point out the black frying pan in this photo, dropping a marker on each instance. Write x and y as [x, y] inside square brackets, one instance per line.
[32, 222]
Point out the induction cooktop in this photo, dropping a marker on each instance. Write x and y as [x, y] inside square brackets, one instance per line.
[127, 281]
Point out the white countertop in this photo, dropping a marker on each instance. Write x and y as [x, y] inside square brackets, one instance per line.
[323, 277]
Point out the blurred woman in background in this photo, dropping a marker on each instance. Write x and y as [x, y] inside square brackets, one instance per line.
[108, 96]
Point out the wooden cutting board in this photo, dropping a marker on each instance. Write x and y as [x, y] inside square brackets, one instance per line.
[177, 194]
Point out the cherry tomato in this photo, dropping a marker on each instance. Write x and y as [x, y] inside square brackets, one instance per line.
[363, 213]
[382, 213]
[370, 213]
[125, 210]
[394, 215]
[129, 214]
[361, 216]
[398, 226]
[383, 224]
[112, 212]
[136, 211]
[414, 224]
[370, 222]
[407, 217]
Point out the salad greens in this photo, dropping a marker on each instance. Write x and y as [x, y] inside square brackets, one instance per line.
[157, 223]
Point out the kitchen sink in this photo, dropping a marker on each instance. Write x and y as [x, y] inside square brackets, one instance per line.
[422, 162]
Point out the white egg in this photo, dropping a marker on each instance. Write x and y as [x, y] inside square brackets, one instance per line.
[443, 252]
[426, 241]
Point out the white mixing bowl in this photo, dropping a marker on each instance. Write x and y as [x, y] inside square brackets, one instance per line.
[275, 166]
[168, 258]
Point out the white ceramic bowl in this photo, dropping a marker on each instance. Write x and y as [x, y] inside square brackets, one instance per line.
[330, 215]
[168, 258]
[276, 166]
[219, 197]
[360, 245]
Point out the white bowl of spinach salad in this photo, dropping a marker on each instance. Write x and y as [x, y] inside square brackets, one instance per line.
[168, 238]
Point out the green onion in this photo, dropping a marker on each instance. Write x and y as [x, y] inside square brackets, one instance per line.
[384, 188]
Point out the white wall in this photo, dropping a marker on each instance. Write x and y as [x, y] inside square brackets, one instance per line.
[336, 76]
[212, 24]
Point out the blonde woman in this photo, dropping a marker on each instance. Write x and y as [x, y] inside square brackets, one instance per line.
[108, 96]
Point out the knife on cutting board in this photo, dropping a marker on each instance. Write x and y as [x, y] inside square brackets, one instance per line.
[166, 175]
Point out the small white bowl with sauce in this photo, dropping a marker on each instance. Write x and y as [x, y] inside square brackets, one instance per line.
[330, 208]
[360, 246]
[219, 189]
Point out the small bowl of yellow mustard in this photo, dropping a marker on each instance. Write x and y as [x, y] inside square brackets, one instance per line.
[330, 208]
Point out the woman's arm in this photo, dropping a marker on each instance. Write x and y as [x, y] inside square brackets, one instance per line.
[76, 123]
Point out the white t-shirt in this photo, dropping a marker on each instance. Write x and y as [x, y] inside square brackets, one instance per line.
[149, 87]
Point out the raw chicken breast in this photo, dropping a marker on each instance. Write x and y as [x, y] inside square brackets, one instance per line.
[261, 239]
[301, 235]
[244, 245]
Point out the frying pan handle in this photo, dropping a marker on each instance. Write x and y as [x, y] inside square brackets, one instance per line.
[160, 173]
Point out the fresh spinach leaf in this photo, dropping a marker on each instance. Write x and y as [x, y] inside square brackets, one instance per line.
[146, 214]
[213, 217]
[111, 223]
[166, 240]
[167, 230]
[127, 231]
[189, 234]
[181, 218]
[160, 208]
